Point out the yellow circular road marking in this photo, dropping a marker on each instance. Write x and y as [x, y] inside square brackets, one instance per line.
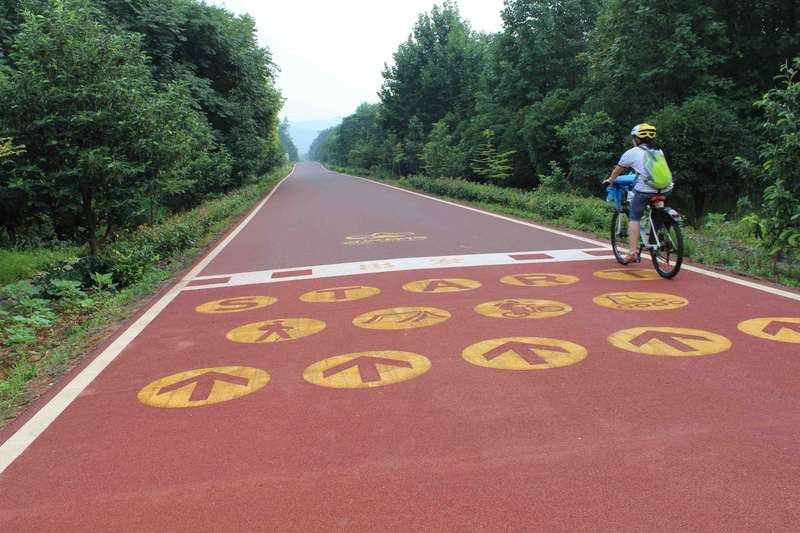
[674, 342]
[641, 301]
[628, 274]
[440, 285]
[366, 369]
[236, 305]
[340, 294]
[523, 308]
[536, 279]
[780, 329]
[203, 386]
[401, 318]
[278, 330]
[524, 353]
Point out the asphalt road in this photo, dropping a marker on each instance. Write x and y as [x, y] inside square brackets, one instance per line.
[356, 357]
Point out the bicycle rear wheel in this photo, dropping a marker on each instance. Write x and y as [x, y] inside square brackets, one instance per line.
[668, 257]
[619, 235]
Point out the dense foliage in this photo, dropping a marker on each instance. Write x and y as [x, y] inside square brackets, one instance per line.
[120, 112]
[562, 84]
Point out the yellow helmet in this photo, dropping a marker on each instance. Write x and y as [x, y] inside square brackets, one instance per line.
[644, 131]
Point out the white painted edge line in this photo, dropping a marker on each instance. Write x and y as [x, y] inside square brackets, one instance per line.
[398, 265]
[691, 268]
[24, 436]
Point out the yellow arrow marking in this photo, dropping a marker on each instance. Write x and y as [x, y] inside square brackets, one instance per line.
[366, 369]
[780, 329]
[524, 353]
[674, 342]
[203, 386]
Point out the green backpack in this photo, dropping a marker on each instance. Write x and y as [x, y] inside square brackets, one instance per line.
[659, 175]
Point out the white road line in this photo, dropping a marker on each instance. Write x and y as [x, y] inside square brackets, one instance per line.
[19, 441]
[692, 268]
[397, 265]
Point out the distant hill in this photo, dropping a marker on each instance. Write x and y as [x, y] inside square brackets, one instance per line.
[304, 132]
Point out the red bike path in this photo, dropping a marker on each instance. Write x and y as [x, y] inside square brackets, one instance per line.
[586, 414]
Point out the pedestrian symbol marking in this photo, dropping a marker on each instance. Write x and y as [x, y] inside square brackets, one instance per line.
[523, 308]
[539, 280]
[780, 329]
[524, 353]
[674, 342]
[203, 386]
[628, 274]
[441, 285]
[402, 318]
[340, 294]
[366, 369]
[641, 301]
[236, 305]
[278, 330]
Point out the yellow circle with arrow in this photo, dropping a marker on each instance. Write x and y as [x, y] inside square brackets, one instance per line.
[366, 369]
[780, 328]
[524, 353]
[203, 386]
[669, 341]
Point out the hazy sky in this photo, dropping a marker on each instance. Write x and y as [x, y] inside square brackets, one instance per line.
[331, 52]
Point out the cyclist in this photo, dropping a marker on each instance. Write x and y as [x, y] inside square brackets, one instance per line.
[639, 158]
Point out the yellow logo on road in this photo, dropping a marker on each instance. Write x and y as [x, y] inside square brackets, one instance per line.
[340, 294]
[628, 274]
[366, 369]
[236, 305]
[203, 386]
[781, 329]
[523, 308]
[279, 330]
[641, 301]
[442, 285]
[539, 280]
[402, 318]
[674, 342]
[383, 236]
[524, 353]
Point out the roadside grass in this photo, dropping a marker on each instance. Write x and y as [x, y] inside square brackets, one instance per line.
[21, 264]
[47, 323]
[721, 243]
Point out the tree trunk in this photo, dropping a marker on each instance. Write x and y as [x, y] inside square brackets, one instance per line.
[699, 197]
[90, 217]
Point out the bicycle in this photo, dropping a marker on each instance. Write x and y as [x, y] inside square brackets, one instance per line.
[660, 230]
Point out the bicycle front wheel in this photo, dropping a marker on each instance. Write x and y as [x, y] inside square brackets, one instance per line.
[668, 257]
[619, 235]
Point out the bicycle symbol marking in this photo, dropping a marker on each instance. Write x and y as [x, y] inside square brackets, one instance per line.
[522, 308]
[402, 318]
[641, 301]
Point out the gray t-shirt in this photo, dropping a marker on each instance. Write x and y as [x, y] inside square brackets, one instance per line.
[634, 158]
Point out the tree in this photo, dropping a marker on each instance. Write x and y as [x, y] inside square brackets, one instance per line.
[286, 141]
[440, 155]
[593, 146]
[701, 137]
[490, 164]
[779, 221]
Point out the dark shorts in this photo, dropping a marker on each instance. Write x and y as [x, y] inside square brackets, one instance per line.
[639, 202]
